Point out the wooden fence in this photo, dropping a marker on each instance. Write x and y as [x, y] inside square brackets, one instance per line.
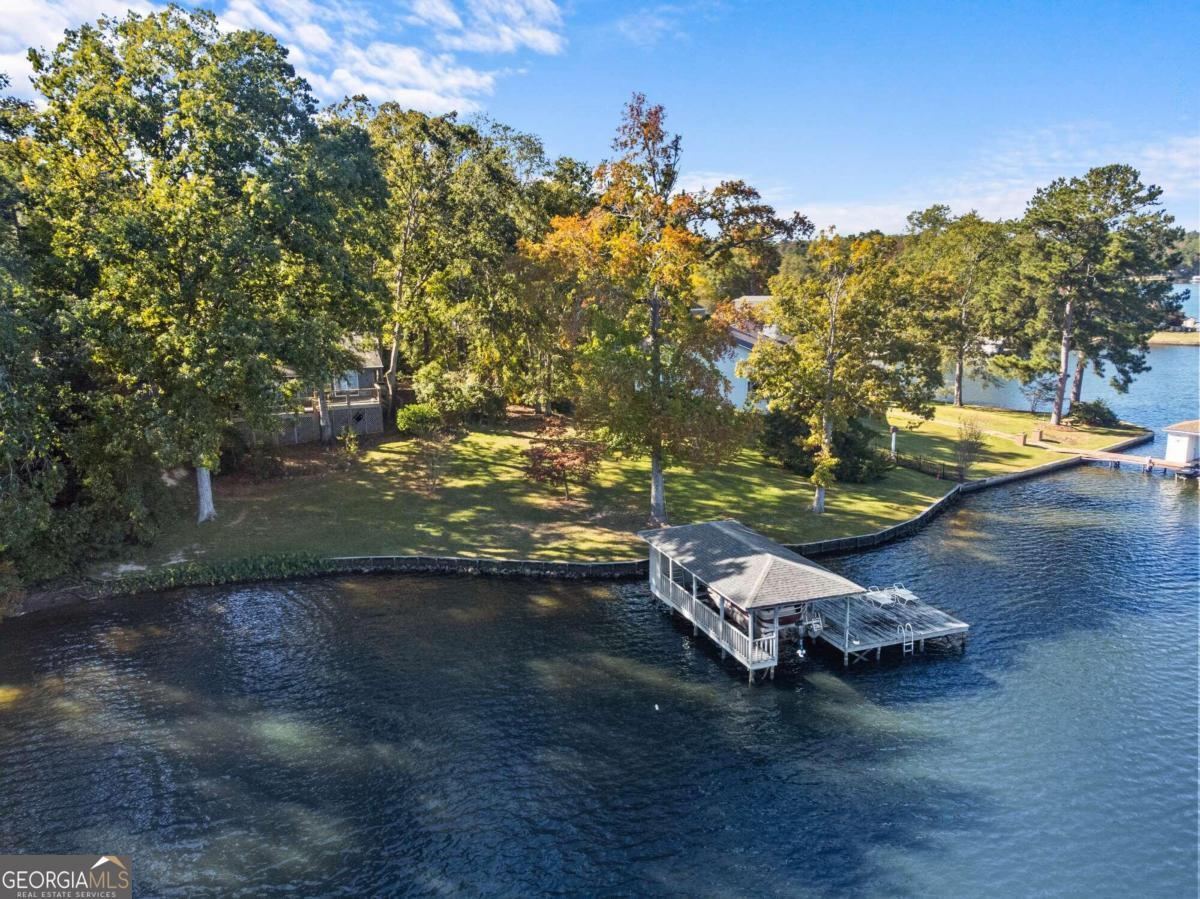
[940, 470]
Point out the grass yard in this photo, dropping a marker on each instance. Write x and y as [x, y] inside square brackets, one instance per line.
[934, 439]
[485, 505]
[1175, 338]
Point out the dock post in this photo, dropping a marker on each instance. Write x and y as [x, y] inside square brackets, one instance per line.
[722, 641]
[695, 630]
[846, 637]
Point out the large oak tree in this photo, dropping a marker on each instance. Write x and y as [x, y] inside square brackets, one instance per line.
[647, 372]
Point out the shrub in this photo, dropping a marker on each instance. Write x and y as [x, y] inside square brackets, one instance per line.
[969, 446]
[457, 394]
[347, 449]
[418, 420]
[786, 439]
[559, 458]
[1095, 413]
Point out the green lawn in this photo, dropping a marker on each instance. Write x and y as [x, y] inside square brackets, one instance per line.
[486, 506]
[934, 439]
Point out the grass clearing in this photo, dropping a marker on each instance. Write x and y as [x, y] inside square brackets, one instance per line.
[485, 506]
[1175, 338]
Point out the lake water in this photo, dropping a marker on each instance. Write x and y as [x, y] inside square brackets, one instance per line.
[1166, 393]
[395, 736]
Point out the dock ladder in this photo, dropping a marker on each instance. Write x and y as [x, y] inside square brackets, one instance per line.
[905, 633]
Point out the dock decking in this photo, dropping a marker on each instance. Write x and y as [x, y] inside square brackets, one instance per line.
[1187, 469]
[877, 619]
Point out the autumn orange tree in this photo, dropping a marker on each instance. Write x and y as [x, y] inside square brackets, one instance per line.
[646, 364]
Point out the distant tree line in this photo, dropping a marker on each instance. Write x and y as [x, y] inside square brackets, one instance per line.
[189, 245]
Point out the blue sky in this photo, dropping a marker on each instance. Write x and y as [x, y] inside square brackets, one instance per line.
[854, 113]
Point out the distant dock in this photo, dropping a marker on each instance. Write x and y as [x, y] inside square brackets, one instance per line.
[1182, 459]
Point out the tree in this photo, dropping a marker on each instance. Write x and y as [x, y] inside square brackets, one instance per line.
[962, 268]
[450, 224]
[968, 445]
[1090, 247]
[30, 474]
[559, 457]
[853, 347]
[181, 196]
[1038, 390]
[646, 365]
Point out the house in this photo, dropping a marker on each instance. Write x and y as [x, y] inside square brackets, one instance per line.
[1183, 442]
[354, 399]
[744, 339]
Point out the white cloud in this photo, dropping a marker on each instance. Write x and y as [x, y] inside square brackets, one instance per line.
[999, 181]
[505, 26]
[648, 26]
[40, 24]
[409, 53]
[692, 181]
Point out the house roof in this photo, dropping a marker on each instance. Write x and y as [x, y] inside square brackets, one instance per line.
[1184, 427]
[366, 357]
[745, 567]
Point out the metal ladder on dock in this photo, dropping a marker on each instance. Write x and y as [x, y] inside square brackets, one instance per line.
[905, 633]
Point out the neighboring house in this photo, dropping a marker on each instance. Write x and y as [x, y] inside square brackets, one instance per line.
[354, 399]
[744, 340]
[739, 387]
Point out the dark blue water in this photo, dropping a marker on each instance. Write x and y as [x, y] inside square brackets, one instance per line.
[441, 736]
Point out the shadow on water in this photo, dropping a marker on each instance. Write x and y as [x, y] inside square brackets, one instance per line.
[357, 736]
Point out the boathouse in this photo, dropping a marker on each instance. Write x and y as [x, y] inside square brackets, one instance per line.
[1183, 442]
[746, 593]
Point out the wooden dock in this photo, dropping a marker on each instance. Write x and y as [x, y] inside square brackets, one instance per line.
[880, 618]
[1145, 463]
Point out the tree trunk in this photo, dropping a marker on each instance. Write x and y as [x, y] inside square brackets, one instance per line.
[390, 377]
[958, 377]
[818, 505]
[323, 409]
[1081, 363]
[658, 499]
[206, 511]
[1064, 363]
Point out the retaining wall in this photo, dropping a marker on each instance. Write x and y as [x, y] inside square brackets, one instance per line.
[632, 568]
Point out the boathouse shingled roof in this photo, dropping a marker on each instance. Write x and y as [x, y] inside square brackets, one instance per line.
[745, 567]
[1184, 427]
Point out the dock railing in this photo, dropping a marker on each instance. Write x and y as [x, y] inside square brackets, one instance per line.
[762, 652]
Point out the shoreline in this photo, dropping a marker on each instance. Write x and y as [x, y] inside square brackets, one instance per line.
[299, 567]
